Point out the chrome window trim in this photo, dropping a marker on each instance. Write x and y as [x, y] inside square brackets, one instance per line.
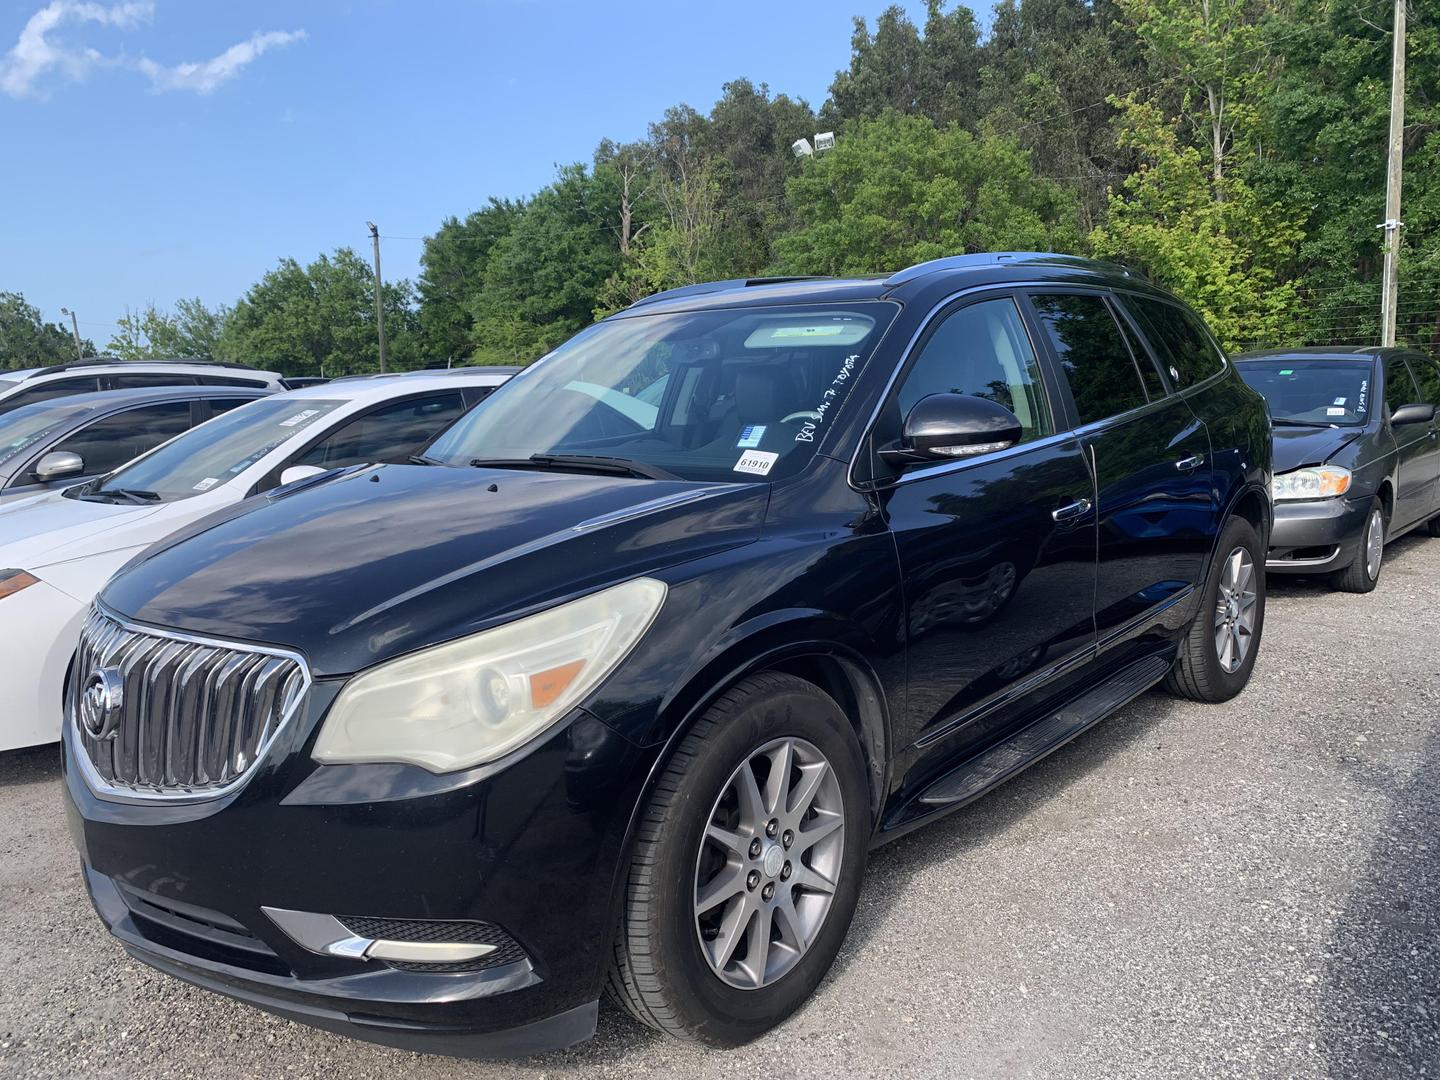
[110, 792]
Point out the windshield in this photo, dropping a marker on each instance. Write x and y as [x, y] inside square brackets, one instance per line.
[739, 394]
[1319, 392]
[22, 428]
[217, 451]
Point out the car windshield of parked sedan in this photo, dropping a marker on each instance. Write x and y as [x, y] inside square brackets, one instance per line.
[209, 455]
[22, 428]
[1321, 393]
[734, 394]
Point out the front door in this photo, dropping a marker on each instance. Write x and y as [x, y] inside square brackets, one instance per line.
[1427, 380]
[997, 553]
[1415, 478]
[1151, 456]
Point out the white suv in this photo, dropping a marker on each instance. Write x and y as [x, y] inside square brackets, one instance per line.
[29, 385]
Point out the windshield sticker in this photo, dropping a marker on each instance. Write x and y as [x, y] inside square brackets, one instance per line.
[1360, 401]
[1339, 401]
[22, 443]
[1333, 411]
[1287, 371]
[756, 462]
[832, 394]
[300, 418]
[750, 436]
[207, 483]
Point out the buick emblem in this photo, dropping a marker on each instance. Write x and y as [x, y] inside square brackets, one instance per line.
[100, 703]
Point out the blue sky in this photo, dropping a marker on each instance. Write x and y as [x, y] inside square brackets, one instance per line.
[173, 148]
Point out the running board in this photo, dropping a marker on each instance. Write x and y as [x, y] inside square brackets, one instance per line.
[1029, 745]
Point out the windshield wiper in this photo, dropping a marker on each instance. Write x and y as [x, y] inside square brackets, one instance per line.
[421, 459]
[612, 466]
[127, 494]
[1282, 421]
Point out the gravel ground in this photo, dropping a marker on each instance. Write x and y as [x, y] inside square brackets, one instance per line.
[1244, 890]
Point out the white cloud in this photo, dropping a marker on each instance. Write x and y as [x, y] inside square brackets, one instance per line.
[205, 75]
[41, 55]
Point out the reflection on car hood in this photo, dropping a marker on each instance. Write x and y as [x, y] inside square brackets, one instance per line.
[1296, 447]
[49, 528]
[391, 559]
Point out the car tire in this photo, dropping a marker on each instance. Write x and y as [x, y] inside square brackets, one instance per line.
[1233, 606]
[1432, 527]
[1363, 574]
[665, 970]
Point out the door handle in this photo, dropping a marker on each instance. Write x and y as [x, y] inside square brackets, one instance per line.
[1191, 463]
[1077, 509]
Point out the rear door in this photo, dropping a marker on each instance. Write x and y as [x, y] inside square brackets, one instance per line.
[1151, 457]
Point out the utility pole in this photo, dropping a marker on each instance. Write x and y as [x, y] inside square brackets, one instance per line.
[1396, 156]
[75, 325]
[379, 306]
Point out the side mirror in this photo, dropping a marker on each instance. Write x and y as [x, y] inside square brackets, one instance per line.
[58, 465]
[1412, 414]
[299, 472]
[946, 426]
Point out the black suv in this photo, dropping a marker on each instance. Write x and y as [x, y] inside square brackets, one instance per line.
[618, 685]
[1357, 456]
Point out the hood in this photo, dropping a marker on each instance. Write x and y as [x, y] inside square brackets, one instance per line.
[50, 528]
[1296, 447]
[385, 561]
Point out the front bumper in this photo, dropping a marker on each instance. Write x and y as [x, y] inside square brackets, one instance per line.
[532, 849]
[1316, 537]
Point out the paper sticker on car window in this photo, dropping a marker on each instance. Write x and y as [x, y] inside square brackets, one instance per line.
[207, 483]
[756, 462]
[750, 436]
[300, 417]
[1287, 371]
[1339, 401]
[1333, 411]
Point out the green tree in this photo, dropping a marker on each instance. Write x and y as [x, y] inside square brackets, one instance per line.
[899, 190]
[27, 340]
[1223, 248]
[320, 320]
[543, 276]
[452, 273]
[192, 331]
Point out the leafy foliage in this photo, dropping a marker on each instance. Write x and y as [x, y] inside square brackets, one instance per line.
[27, 340]
[192, 331]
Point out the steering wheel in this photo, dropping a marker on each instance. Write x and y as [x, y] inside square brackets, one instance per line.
[803, 414]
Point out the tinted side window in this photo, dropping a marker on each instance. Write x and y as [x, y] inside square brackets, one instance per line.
[1194, 356]
[109, 443]
[1149, 373]
[982, 349]
[135, 380]
[1103, 377]
[1427, 375]
[1399, 387]
[391, 433]
[51, 389]
[225, 404]
[230, 380]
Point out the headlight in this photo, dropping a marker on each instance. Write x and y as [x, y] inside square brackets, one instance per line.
[1324, 482]
[474, 700]
[12, 581]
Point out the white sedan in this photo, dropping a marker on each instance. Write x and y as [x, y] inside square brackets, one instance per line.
[58, 549]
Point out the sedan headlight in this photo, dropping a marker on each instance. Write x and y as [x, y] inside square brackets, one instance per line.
[1323, 482]
[474, 700]
[12, 581]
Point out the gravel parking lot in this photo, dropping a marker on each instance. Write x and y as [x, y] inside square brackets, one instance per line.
[1244, 890]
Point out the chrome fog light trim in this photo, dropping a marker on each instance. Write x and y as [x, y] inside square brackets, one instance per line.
[326, 935]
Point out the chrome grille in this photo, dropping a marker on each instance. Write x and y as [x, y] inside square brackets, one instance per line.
[194, 715]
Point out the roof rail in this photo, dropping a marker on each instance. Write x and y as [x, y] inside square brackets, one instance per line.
[111, 361]
[704, 287]
[964, 262]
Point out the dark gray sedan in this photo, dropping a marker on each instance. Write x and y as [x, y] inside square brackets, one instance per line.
[62, 441]
[1357, 456]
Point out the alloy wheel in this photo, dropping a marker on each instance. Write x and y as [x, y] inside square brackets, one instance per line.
[769, 863]
[1235, 610]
